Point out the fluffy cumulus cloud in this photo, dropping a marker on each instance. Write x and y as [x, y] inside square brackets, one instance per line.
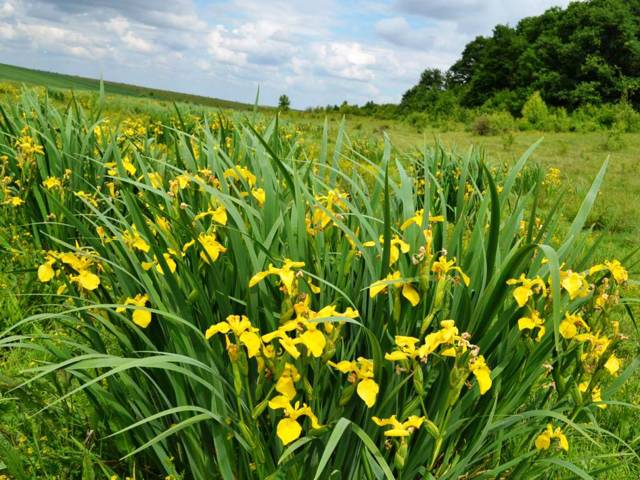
[318, 52]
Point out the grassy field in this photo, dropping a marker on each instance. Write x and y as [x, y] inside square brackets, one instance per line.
[54, 443]
[63, 82]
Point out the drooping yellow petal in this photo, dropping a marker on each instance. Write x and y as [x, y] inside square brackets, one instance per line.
[613, 364]
[221, 327]
[413, 422]
[257, 278]
[259, 195]
[280, 401]
[287, 277]
[288, 430]
[314, 341]
[526, 323]
[290, 346]
[543, 441]
[564, 444]
[286, 387]
[142, 318]
[482, 373]
[449, 352]
[88, 280]
[522, 295]
[368, 391]
[484, 380]
[567, 329]
[343, 366]
[395, 356]
[45, 272]
[411, 294]
[220, 215]
[252, 341]
[376, 287]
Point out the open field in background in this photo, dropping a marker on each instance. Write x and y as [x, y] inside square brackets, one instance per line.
[59, 81]
[579, 156]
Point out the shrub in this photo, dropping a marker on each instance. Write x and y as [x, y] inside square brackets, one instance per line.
[418, 120]
[535, 113]
[493, 124]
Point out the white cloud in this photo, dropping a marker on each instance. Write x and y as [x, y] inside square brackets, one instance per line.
[476, 17]
[7, 9]
[317, 52]
[118, 25]
[7, 32]
[345, 60]
[442, 36]
[136, 43]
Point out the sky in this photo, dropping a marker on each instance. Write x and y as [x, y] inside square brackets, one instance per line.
[318, 52]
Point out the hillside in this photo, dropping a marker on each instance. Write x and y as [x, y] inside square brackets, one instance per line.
[70, 82]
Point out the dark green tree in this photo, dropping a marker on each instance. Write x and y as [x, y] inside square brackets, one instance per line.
[587, 53]
[284, 103]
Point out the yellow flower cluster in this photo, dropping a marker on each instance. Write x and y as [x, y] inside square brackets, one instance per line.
[586, 334]
[81, 263]
[453, 345]
[326, 208]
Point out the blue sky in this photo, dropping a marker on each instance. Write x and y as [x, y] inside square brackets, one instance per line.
[316, 51]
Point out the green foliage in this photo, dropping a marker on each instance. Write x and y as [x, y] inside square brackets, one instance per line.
[284, 103]
[586, 54]
[494, 123]
[535, 112]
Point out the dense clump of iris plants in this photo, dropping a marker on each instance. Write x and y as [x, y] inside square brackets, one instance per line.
[236, 303]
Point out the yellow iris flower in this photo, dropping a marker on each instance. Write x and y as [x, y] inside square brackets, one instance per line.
[133, 240]
[362, 370]
[398, 428]
[395, 279]
[569, 326]
[443, 266]
[140, 317]
[397, 245]
[286, 273]
[305, 325]
[543, 440]
[289, 429]
[534, 321]
[211, 248]
[528, 286]
[240, 173]
[418, 218]
[618, 272]
[218, 215]
[574, 283]
[52, 182]
[482, 372]
[244, 332]
[85, 278]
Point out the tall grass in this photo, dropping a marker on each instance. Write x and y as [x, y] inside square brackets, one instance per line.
[165, 241]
